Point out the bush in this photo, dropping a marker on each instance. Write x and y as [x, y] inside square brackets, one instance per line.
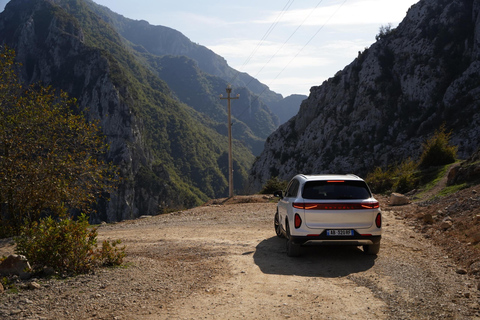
[401, 178]
[380, 181]
[384, 31]
[405, 176]
[272, 185]
[437, 150]
[67, 246]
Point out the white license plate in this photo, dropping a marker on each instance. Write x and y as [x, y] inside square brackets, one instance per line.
[339, 232]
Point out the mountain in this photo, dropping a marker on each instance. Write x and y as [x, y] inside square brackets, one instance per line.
[170, 155]
[288, 107]
[161, 41]
[381, 108]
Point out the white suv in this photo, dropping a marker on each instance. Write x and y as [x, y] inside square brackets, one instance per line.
[328, 209]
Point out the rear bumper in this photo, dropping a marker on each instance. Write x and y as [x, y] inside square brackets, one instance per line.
[323, 239]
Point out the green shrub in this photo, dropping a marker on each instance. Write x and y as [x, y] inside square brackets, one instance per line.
[401, 178]
[110, 254]
[380, 181]
[68, 246]
[405, 176]
[437, 150]
[272, 185]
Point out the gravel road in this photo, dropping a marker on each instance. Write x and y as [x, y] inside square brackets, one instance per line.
[223, 261]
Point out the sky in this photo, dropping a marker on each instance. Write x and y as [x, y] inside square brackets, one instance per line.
[289, 45]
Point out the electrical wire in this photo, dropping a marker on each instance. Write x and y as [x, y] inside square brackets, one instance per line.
[285, 42]
[304, 46]
[265, 36]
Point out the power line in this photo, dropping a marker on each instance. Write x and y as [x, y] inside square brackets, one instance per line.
[265, 36]
[288, 39]
[305, 45]
[308, 42]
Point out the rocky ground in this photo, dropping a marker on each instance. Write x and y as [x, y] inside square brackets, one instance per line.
[223, 261]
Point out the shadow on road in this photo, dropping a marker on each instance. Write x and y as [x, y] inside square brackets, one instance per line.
[315, 261]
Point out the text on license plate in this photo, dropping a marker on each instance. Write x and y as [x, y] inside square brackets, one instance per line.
[339, 232]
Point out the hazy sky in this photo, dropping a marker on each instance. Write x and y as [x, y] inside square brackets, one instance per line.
[288, 45]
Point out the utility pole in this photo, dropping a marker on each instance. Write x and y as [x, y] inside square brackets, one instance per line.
[230, 157]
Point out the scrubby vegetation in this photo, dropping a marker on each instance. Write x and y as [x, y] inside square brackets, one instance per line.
[272, 185]
[437, 154]
[66, 246]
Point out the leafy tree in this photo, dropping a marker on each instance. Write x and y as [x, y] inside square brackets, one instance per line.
[50, 157]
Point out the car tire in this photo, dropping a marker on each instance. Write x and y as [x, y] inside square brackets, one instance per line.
[372, 248]
[293, 249]
[278, 227]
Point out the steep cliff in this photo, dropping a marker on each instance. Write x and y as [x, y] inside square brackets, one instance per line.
[167, 158]
[381, 107]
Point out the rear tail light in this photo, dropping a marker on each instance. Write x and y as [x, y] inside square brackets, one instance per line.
[336, 206]
[378, 220]
[298, 221]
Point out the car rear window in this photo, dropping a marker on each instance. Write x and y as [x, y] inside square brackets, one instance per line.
[336, 190]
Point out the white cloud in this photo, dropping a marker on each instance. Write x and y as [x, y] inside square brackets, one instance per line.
[356, 12]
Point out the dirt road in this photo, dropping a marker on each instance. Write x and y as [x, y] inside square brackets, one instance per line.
[224, 261]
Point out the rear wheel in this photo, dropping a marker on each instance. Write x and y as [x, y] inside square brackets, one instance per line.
[278, 227]
[372, 248]
[293, 249]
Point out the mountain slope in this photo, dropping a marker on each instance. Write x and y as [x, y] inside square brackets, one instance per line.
[381, 107]
[167, 158]
[161, 40]
[198, 82]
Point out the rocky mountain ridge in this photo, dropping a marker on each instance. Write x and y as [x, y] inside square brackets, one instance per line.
[170, 155]
[394, 95]
[164, 41]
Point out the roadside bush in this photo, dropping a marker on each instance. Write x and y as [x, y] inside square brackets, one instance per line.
[437, 150]
[272, 185]
[66, 245]
[380, 181]
[110, 254]
[405, 176]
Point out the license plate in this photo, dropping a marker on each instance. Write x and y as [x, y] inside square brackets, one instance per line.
[339, 232]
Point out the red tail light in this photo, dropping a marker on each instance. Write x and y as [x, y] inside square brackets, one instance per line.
[378, 220]
[298, 221]
[336, 206]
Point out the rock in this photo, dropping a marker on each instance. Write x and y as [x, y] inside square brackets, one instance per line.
[461, 271]
[34, 285]
[475, 268]
[428, 218]
[397, 199]
[475, 237]
[14, 265]
[445, 225]
[48, 271]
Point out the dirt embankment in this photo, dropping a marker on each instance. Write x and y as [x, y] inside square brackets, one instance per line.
[223, 261]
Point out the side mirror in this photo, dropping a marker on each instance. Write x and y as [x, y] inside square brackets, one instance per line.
[278, 194]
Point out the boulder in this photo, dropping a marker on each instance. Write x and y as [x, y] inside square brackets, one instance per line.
[445, 225]
[397, 199]
[14, 265]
